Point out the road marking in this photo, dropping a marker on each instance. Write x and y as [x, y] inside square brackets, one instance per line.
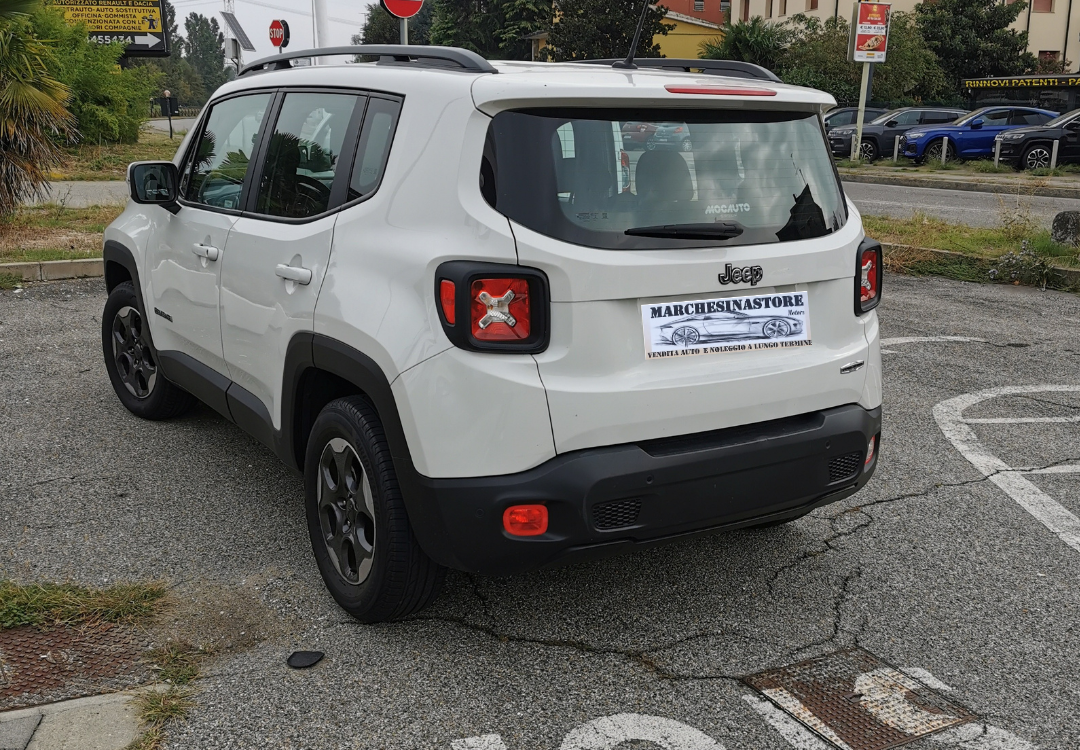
[609, 732]
[795, 707]
[884, 693]
[975, 736]
[1063, 469]
[484, 742]
[950, 418]
[927, 679]
[798, 736]
[1023, 420]
[928, 339]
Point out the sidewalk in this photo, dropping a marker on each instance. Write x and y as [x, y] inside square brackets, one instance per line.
[101, 722]
[1009, 184]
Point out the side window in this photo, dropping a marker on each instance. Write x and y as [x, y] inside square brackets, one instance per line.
[842, 118]
[215, 175]
[937, 118]
[302, 158]
[376, 138]
[997, 117]
[911, 117]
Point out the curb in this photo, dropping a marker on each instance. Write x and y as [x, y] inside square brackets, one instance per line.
[1071, 275]
[971, 187]
[55, 270]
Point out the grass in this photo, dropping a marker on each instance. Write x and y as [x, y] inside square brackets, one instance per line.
[89, 161]
[43, 604]
[54, 232]
[156, 710]
[10, 281]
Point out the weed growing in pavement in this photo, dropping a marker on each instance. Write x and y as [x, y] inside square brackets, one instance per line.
[10, 281]
[68, 604]
[986, 166]
[1024, 267]
[156, 710]
[1017, 221]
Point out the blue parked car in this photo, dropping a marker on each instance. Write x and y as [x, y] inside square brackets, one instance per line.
[970, 137]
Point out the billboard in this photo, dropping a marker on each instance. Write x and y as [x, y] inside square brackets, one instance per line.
[869, 32]
[138, 24]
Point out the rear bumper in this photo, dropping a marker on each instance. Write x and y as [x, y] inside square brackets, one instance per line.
[605, 500]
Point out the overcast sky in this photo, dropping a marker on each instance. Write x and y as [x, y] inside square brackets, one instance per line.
[346, 19]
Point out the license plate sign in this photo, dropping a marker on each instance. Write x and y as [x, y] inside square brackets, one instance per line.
[777, 320]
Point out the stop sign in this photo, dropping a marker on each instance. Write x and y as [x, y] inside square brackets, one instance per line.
[279, 33]
[402, 8]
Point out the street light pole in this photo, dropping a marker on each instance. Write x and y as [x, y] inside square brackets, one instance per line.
[321, 24]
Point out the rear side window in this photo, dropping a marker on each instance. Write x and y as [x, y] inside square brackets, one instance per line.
[840, 118]
[380, 122]
[219, 164]
[938, 118]
[696, 179]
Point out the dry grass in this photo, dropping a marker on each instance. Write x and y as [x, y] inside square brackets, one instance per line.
[69, 604]
[156, 710]
[109, 162]
[54, 232]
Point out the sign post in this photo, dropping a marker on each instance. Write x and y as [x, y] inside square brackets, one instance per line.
[279, 34]
[138, 24]
[403, 9]
[867, 44]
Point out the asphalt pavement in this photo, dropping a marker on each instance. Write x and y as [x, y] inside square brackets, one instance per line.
[959, 562]
[954, 206]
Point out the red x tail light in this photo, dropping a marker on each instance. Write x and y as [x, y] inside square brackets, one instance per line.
[869, 273]
[493, 307]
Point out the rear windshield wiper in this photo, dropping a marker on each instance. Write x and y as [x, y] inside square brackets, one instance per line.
[720, 230]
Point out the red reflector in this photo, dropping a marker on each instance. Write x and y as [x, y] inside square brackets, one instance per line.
[446, 299]
[719, 90]
[525, 520]
[500, 310]
[870, 451]
[869, 275]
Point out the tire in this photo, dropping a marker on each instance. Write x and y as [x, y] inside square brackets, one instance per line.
[776, 328]
[1036, 157]
[360, 533]
[131, 360]
[868, 151]
[650, 145]
[687, 144]
[933, 152]
[685, 336]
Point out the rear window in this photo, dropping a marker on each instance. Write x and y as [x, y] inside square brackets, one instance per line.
[616, 180]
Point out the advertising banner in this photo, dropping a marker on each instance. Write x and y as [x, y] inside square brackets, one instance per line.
[728, 324]
[869, 32]
[138, 24]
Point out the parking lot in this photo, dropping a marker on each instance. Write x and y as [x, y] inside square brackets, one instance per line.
[958, 564]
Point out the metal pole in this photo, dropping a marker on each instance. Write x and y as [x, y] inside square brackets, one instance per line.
[997, 153]
[856, 142]
[322, 24]
[1053, 155]
[404, 30]
[944, 149]
[896, 149]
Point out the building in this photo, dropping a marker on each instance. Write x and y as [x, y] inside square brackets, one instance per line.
[1053, 26]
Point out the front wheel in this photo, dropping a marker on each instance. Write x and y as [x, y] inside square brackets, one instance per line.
[131, 362]
[776, 329]
[685, 336]
[933, 152]
[1036, 157]
[868, 151]
[360, 532]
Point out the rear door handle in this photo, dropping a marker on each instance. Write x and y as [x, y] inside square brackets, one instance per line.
[294, 273]
[206, 251]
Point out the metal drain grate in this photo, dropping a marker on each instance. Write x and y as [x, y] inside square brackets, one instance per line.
[857, 702]
[844, 467]
[43, 666]
[616, 514]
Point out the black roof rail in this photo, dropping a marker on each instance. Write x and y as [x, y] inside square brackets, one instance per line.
[399, 53]
[733, 68]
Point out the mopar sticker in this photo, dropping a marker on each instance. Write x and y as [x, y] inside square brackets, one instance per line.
[731, 324]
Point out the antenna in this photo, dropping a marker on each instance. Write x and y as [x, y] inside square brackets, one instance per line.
[628, 63]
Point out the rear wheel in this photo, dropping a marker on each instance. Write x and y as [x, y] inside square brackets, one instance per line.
[687, 145]
[1036, 157]
[360, 532]
[933, 152]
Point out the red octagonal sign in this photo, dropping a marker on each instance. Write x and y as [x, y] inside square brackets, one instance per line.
[279, 33]
[402, 8]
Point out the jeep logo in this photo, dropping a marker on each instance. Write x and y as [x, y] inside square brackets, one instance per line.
[753, 274]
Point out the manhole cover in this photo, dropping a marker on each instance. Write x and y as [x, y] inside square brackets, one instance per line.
[43, 666]
[857, 702]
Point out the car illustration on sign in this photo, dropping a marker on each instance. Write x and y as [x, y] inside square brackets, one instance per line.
[695, 328]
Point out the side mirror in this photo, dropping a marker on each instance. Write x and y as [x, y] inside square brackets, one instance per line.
[976, 124]
[1074, 125]
[154, 183]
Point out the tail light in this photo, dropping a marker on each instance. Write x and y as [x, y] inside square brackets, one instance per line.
[624, 166]
[492, 307]
[678, 129]
[870, 451]
[526, 520]
[869, 273]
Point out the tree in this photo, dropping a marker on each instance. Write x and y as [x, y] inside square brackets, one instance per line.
[178, 76]
[34, 119]
[109, 104]
[816, 56]
[204, 46]
[755, 41]
[522, 18]
[471, 24]
[382, 28]
[591, 29]
[972, 38]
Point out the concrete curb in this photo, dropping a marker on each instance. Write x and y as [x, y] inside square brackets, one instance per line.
[1071, 275]
[55, 270]
[969, 186]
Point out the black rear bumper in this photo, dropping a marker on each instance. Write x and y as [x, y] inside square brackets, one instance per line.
[605, 500]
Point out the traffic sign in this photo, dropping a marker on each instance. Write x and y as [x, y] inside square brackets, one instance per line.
[137, 24]
[279, 33]
[402, 8]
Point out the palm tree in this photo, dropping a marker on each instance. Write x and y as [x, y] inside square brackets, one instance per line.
[34, 119]
[754, 41]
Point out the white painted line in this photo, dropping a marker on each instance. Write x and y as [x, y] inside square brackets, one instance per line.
[798, 736]
[795, 707]
[975, 736]
[950, 418]
[1063, 469]
[1023, 420]
[484, 742]
[926, 678]
[884, 694]
[608, 732]
[927, 339]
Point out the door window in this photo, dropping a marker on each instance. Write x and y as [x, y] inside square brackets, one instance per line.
[996, 118]
[375, 141]
[302, 157]
[219, 164]
[911, 117]
[840, 118]
[938, 118]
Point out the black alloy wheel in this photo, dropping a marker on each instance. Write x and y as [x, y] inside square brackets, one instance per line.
[134, 360]
[868, 151]
[1037, 157]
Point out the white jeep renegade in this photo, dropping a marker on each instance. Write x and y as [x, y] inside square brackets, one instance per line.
[507, 315]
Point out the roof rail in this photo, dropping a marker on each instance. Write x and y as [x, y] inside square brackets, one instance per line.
[733, 68]
[387, 53]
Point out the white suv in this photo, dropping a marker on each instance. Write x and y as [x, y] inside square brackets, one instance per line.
[492, 335]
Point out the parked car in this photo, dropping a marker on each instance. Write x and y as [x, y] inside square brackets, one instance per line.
[636, 134]
[838, 117]
[971, 136]
[671, 135]
[879, 134]
[420, 286]
[1033, 147]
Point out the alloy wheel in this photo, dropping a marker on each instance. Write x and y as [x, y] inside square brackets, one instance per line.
[346, 511]
[1037, 158]
[685, 336]
[776, 329]
[867, 151]
[134, 360]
